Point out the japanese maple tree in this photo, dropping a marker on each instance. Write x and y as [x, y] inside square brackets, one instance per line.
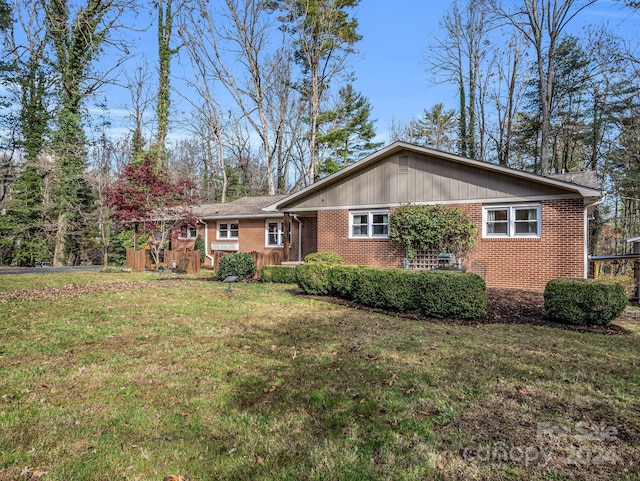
[145, 196]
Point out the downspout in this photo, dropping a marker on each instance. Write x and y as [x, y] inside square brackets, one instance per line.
[586, 233]
[300, 224]
[206, 241]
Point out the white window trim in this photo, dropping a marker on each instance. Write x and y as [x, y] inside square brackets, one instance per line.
[511, 225]
[369, 214]
[228, 223]
[280, 233]
[189, 236]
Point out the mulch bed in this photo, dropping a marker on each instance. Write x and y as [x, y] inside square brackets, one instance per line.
[504, 306]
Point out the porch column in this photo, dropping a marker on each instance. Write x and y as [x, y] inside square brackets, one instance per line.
[285, 228]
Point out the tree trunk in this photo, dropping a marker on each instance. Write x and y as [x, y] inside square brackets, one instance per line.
[165, 24]
[61, 240]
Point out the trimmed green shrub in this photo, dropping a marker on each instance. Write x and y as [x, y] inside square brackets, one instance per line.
[394, 289]
[111, 269]
[584, 302]
[431, 293]
[460, 295]
[432, 227]
[279, 274]
[342, 280]
[199, 245]
[240, 264]
[324, 258]
[313, 278]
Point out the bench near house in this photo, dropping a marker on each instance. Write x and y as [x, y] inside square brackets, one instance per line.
[531, 228]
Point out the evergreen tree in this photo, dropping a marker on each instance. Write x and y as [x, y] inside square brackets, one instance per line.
[324, 35]
[22, 229]
[5, 15]
[28, 77]
[349, 131]
[77, 38]
[437, 129]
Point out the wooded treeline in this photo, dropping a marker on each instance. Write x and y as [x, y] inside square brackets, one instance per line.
[272, 106]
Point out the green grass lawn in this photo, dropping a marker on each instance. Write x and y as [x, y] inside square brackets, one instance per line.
[140, 380]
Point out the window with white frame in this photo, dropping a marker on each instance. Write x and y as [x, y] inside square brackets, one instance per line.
[522, 220]
[188, 232]
[369, 224]
[274, 230]
[228, 230]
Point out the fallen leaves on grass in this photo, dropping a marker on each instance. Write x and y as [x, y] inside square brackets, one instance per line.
[72, 290]
[32, 474]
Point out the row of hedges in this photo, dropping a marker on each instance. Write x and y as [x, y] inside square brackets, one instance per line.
[279, 274]
[444, 294]
[430, 293]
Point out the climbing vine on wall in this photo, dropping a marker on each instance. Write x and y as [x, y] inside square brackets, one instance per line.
[432, 227]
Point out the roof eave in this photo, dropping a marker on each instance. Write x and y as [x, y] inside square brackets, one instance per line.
[241, 216]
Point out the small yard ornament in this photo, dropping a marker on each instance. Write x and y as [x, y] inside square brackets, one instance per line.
[229, 280]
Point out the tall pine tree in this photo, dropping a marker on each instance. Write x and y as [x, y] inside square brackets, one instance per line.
[348, 131]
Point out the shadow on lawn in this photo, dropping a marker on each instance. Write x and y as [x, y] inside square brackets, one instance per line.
[381, 403]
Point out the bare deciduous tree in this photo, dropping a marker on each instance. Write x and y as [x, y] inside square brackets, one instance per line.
[141, 100]
[238, 35]
[324, 35]
[506, 95]
[458, 54]
[542, 22]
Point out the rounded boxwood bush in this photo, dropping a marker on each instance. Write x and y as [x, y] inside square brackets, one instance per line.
[313, 278]
[584, 302]
[240, 264]
[342, 280]
[279, 274]
[455, 294]
[393, 289]
[324, 258]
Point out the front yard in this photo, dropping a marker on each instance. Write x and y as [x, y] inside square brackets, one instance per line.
[132, 377]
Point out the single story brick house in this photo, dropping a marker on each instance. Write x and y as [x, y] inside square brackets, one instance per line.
[244, 226]
[531, 228]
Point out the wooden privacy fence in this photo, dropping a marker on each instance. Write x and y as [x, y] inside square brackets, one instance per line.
[273, 258]
[193, 256]
[139, 260]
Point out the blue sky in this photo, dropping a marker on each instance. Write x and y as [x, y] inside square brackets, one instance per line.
[390, 68]
[392, 72]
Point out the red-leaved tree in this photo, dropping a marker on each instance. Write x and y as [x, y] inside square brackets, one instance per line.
[144, 196]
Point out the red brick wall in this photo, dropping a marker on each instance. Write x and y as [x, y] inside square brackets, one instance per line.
[531, 263]
[309, 235]
[511, 263]
[333, 235]
[251, 236]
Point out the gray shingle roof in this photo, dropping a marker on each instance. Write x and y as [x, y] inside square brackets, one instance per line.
[243, 207]
[586, 178]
